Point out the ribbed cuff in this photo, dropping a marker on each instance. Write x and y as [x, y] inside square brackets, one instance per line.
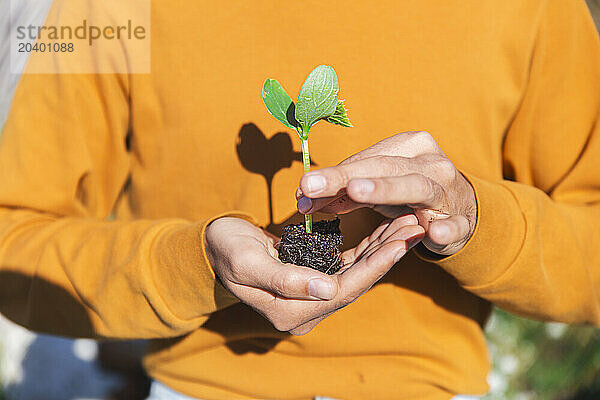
[182, 274]
[498, 237]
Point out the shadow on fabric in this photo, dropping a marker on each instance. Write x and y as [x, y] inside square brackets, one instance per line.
[52, 366]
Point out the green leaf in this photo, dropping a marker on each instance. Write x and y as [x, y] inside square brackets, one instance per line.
[340, 117]
[279, 104]
[318, 97]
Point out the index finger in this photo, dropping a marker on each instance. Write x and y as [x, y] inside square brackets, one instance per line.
[261, 270]
[328, 182]
[406, 144]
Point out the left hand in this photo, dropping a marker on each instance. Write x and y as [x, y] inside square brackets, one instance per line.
[244, 258]
[407, 172]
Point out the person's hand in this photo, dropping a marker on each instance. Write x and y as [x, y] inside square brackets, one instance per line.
[407, 172]
[294, 298]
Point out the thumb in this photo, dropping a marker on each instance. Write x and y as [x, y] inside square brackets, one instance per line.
[294, 282]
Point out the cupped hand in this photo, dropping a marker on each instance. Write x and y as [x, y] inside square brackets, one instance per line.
[407, 172]
[294, 298]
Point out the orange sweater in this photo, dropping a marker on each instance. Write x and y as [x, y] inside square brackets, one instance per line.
[510, 90]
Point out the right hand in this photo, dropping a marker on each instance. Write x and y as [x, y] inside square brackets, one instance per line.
[295, 298]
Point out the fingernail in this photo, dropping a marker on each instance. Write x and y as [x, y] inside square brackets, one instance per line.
[399, 255]
[364, 185]
[321, 289]
[315, 183]
[304, 205]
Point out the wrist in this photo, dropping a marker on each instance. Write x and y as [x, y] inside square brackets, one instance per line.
[497, 238]
[211, 229]
[182, 278]
[470, 209]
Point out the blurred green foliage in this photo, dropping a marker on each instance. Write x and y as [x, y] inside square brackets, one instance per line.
[537, 360]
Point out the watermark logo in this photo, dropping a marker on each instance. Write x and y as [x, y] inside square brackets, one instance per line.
[81, 36]
[85, 31]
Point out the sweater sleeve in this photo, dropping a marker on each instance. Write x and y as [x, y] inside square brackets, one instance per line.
[65, 268]
[535, 248]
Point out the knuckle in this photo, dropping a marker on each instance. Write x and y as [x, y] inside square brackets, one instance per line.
[422, 136]
[334, 175]
[386, 188]
[425, 140]
[432, 193]
[282, 324]
[389, 165]
[422, 184]
[277, 322]
[277, 325]
[277, 316]
[281, 283]
[341, 174]
[446, 170]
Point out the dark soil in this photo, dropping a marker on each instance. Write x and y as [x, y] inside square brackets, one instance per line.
[318, 250]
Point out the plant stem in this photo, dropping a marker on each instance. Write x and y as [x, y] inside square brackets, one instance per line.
[306, 161]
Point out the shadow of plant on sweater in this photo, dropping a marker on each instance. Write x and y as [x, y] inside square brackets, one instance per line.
[246, 331]
[251, 333]
[266, 157]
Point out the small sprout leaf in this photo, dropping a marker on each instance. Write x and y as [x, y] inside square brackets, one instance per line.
[279, 104]
[318, 97]
[340, 117]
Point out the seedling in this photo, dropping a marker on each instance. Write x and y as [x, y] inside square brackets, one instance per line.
[318, 100]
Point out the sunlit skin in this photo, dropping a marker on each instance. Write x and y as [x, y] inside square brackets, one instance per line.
[406, 177]
[293, 298]
[244, 257]
[407, 172]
